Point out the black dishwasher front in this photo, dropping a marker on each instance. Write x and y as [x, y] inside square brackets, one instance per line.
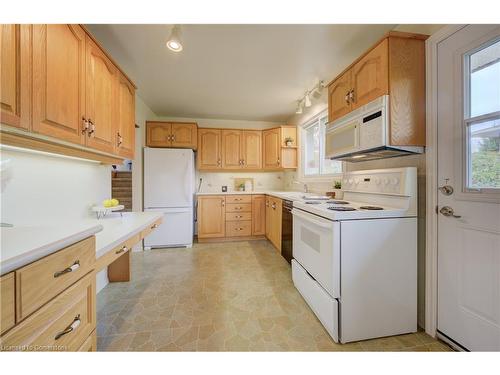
[287, 231]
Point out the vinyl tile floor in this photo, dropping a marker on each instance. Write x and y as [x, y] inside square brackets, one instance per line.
[233, 296]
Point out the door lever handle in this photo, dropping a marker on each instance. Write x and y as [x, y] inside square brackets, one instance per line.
[448, 211]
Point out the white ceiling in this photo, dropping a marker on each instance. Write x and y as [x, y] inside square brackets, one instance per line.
[240, 72]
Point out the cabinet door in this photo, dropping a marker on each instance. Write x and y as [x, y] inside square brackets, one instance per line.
[370, 77]
[275, 229]
[271, 148]
[125, 106]
[338, 96]
[258, 215]
[268, 216]
[209, 150]
[251, 154]
[100, 98]
[184, 135]
[59, 81]
[231, 149]
[158, 134]
[211, 216]
[15, 75]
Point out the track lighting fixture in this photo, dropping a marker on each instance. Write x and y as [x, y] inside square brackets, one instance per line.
[305, 101]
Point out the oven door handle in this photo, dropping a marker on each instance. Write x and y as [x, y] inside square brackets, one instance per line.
[309, 219]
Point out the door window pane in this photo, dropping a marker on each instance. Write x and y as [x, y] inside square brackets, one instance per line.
[485, 80]
[484, 154]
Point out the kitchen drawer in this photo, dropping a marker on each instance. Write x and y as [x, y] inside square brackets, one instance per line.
[238, 228]
[152, 227]
[40, 281]
[7, 302]
[49, 329]
[239, 207]
[89, 345]
[116, 252]
[238, 199]
[238, 216]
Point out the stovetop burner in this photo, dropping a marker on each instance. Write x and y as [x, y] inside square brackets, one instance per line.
[337, 202]
[335, 208]
[374, 208]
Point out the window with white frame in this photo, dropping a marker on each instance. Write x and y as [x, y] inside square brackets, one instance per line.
[313, 159]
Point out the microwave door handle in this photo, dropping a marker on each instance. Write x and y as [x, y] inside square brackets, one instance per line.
[315, 222]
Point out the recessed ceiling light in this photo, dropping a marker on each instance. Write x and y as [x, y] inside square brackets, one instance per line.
[174, 41]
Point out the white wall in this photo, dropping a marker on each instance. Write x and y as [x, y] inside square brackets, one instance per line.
[46, 188]
[223, 123]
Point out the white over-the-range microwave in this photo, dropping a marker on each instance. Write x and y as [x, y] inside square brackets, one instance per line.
[363, 135]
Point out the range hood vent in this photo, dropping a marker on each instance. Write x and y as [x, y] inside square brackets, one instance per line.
[382, 152]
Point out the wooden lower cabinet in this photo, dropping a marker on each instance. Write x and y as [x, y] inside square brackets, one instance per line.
[211, 216]
[273, 221]
[50, 304]
[231, 216]
[258, 215]
[7, 302]
[63, 324]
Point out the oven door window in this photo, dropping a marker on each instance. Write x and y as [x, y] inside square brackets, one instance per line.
[316, 246]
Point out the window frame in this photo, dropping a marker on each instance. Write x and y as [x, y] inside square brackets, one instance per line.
[312, 121]
[468, 121]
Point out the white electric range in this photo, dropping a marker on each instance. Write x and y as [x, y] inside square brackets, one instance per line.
[355, 259]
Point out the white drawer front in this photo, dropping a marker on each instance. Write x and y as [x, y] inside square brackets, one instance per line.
[324, 306]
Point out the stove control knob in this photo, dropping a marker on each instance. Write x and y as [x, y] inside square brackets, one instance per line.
[386, 181]
[394, 181]
[376, 180]
[356, 181]
[350, 181]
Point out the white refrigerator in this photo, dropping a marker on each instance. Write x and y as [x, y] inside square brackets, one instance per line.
[169, 188]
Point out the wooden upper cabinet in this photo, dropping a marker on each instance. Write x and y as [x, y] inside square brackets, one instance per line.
[209, 149]
[59, 81]
[184, 135]
[251, 149]
[171, 134]
[370, 76]
[100, 111]
[158, 134]
[231, 149]
[211, 216]
[15, 75]
[125, 107]
[338, 96]
[271, 141]
[395, 66]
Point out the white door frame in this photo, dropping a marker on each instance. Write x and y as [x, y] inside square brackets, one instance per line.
[431, 274]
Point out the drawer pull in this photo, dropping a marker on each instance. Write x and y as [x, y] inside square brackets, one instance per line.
[74, 325]
[72, 268]
[123, 249]
[154, 226]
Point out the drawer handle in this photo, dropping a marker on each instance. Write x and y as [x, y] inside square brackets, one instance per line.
[154, 226]
[74, 325]
[123, 249]
[72, 268]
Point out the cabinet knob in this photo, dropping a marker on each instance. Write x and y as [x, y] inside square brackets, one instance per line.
[122, 250]
[346, 97]
[85, 126]
[351, 95]
[92, 128]
[223, 202]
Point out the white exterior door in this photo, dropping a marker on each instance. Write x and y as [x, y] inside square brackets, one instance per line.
[469, 179]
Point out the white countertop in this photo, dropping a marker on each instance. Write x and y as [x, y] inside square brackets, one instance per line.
[24, 244]
[289, 195]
